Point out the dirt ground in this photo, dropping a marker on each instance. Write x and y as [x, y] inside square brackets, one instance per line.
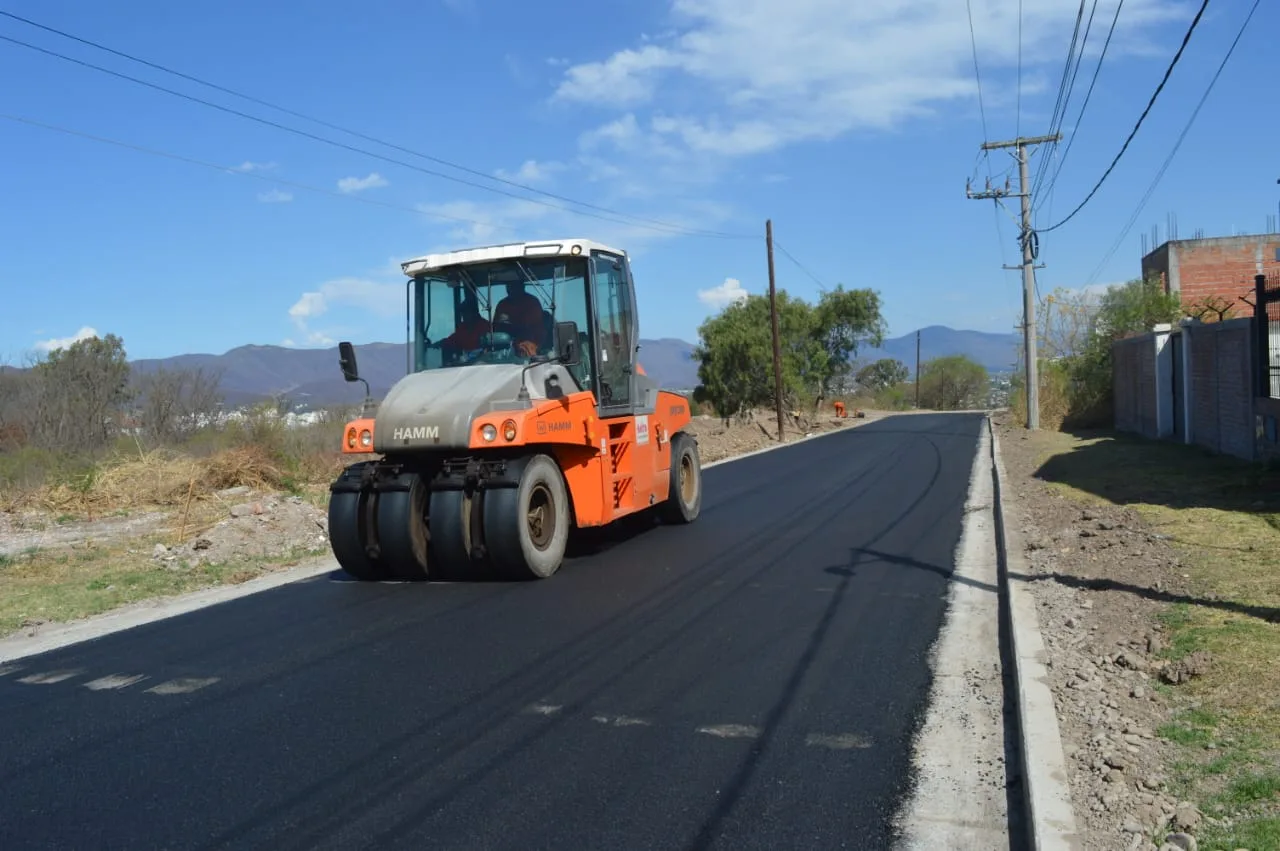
[1104, 580]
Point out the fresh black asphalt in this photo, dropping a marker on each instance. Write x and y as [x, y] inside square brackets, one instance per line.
[608, 707]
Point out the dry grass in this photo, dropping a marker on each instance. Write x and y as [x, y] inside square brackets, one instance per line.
[1223, 516]
[167, 478]
[56, 586]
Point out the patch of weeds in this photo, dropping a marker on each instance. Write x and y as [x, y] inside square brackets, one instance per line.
[5, 560]
[1261, 834]
[63, 519]
[1247, 791]
[1190, 728]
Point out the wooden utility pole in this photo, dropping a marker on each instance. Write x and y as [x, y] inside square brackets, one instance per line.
[773, 317]
[1030, 249]
[917, 369]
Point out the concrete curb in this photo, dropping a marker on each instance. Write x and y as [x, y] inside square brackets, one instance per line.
[1051, 822]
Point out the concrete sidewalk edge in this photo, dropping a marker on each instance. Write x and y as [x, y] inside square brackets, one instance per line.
[1050, 817]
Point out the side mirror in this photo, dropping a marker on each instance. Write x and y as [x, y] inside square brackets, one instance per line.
[566, 340]
[347, 360]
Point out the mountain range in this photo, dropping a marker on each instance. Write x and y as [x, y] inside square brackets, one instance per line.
[311, 377]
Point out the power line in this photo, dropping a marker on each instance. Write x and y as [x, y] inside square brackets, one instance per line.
[799, 265]
[637, 222]
[1070, 88]
[1186, 38]
[977, 75]
[1017, 126]
[225, 169]
[1177, 144]
[1062, 84]
[1087, 95]
[321, 122]
[231, 169]
[973, 40]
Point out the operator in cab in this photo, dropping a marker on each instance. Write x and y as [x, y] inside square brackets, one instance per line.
[470, 328]
[523, 312]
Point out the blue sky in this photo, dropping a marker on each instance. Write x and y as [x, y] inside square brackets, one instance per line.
[853, 125]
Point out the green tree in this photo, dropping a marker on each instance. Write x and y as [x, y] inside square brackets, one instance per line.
[883, 374]
[1131, 308]
[1076, 332]
[735, 352]
[953, 383]
[81, 394]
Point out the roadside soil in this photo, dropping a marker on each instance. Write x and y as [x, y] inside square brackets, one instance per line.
[1115, 573]
[60, 561]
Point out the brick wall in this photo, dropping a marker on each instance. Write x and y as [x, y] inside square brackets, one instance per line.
[1222, 267]
[1220, 388]
[1133, 370]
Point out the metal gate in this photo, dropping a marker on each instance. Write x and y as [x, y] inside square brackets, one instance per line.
[1179, 385]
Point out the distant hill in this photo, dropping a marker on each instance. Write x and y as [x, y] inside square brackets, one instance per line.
[996, 352]
[311, 376]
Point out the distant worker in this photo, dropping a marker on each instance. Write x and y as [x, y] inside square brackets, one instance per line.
[522, 311]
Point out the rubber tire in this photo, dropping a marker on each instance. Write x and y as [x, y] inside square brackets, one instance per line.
[679, 509]
[347, 536]
[402, 530]
[512, 551]
[450, 527]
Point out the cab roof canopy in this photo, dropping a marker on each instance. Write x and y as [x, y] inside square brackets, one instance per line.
[509, 251]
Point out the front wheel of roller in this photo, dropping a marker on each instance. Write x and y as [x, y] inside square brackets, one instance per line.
[402, 529]
[526, 528]
[348, 534]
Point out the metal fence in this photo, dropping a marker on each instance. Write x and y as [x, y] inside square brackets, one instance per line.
[1266, 312]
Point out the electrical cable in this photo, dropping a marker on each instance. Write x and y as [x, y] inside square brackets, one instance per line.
[233, 170]
[1195, 21]
[635, 223]
[323, 123]
[799, 265]
[1177, 144]
[1097, 68]
[1066, 71]
[1084, 42]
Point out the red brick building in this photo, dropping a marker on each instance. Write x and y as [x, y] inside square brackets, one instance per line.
[1214, 268]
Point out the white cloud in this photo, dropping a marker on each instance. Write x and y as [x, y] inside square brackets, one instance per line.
[275, 196]
[248, 166]
[85, 333]
[359, 184]
[382, 299]
[532, 171]
[488, 223]
[723, 295]
[772, 73]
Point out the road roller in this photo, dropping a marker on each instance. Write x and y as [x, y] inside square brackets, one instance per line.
[523, 416]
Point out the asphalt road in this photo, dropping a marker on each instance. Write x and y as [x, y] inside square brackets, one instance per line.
[750, 681]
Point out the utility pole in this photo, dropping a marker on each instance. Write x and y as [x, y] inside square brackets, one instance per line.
[773, 318]
[1030, 249]
[917, 369]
